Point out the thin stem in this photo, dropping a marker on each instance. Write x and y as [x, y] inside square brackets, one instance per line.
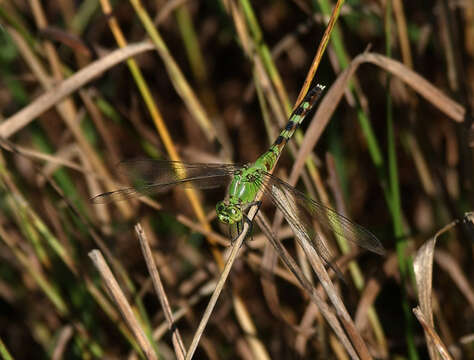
[220, 284]
[160, 291]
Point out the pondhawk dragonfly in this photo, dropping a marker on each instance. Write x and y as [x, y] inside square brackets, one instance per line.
[303, 214]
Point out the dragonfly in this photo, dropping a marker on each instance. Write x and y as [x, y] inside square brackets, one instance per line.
[304, 215]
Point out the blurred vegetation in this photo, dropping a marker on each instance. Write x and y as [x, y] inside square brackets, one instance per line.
[396, 156]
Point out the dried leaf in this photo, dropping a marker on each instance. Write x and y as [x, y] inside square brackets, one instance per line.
[431, 334]
[423, 265]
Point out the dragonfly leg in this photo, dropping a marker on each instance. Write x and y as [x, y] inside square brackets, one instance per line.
[233, 231]
[240, 224]
[232, 234]
[247, 220]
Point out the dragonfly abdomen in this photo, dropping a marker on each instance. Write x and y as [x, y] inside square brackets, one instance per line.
[297, 117]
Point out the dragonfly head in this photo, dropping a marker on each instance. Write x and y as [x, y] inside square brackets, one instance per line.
[228, 213]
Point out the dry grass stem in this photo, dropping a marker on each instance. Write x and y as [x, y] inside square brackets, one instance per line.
[50, 98]
[237, 243]
[63, 339]
[319, 53]
[328, 314]
[204, 291]
[122, 303]
[343, 315]
[160, 292]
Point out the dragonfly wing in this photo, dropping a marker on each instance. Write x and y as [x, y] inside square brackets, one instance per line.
[304, 210]
[299, 219]
[154, 176]
[117, 195]
[137, 191]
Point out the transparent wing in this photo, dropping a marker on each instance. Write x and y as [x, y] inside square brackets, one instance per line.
[154, 176]
[305, 215]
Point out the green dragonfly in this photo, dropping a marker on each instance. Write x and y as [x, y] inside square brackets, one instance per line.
[303, 214]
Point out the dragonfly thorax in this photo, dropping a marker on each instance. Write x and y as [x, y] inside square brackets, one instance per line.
[242, 191]
[228, 213]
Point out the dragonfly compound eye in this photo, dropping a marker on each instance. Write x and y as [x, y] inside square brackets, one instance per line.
[235, 214]
[220, 207]
[223, 218]
[224, 213]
